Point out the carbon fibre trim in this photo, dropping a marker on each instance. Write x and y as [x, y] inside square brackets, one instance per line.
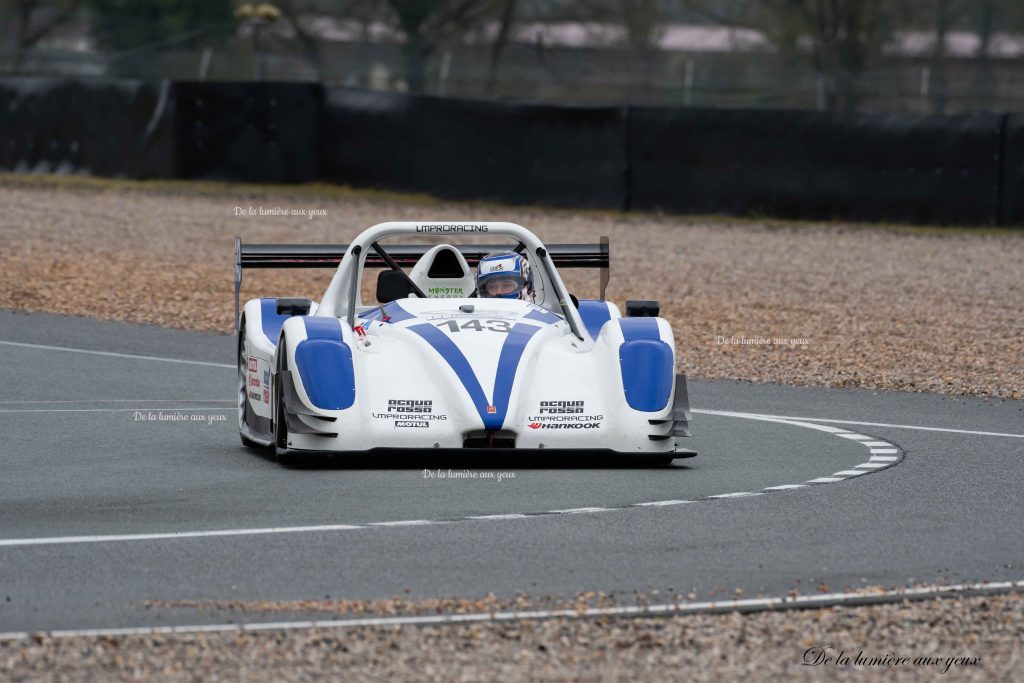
[293, 407]
[681, 415]
[330, 255]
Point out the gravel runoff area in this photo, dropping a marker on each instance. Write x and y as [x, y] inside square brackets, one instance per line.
[794, 302]
[831, 304]
[956, 639]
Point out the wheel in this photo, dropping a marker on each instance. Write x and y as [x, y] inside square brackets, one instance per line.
[243, 400]
[277, 401]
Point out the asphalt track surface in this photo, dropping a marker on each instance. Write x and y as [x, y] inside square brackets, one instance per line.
[76, 463]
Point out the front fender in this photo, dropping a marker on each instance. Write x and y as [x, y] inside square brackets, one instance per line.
[646, 359]
[319, 358]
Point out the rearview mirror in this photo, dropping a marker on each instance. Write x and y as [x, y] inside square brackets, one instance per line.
[642, 309]
[392, 285]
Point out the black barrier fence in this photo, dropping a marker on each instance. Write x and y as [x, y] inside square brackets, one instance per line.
[919, 169]
[1011, 183]
[107, 128]
[965, 169]
[255, 132]
[463, 149]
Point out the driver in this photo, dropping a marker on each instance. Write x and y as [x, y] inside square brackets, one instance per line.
[504, 275]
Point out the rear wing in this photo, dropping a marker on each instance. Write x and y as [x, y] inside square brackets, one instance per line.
[330, 255]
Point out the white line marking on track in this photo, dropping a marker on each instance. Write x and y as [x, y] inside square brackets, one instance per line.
[682, 608]
[62, 540]
[866, 424]
[660, 503]
[738, 494]
[112, 354]
[837, 477]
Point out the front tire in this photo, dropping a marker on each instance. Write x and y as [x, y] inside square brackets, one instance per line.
[243, 398]
[280, 424]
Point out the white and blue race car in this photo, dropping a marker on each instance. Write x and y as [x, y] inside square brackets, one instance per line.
[431, 365]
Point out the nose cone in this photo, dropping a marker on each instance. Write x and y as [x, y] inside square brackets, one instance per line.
[484, 354]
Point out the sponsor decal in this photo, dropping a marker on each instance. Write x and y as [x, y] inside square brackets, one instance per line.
[565, 418]
[252, 364]
[266, 378]
[410, 413]
[430, 417]
[561, 407]
[444, 227]
[445, 292]
[410, 406]
[255, 382]
[266, 396]
[564, 425]
[491, 410]
[254, 396]
[478, 313]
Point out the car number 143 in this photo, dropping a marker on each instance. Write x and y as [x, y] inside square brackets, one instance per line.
[477, 325]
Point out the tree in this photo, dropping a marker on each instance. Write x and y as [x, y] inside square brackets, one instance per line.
[133, 27]
[508, 14]
[843, 36]
[983, 89]
[292, 11]
[642, 21]
[428, 23]
[33, 22]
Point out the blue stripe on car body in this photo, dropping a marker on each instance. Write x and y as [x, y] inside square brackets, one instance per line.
[322, 328]
[595, 314]
[440, 342]
[639, 328]
[392, 310]
[508, 365]
[271, 320]
[543, 316]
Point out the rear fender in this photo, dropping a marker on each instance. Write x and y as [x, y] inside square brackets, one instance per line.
[263, 322]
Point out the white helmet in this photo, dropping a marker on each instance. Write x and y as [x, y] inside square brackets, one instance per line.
[504, 275]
